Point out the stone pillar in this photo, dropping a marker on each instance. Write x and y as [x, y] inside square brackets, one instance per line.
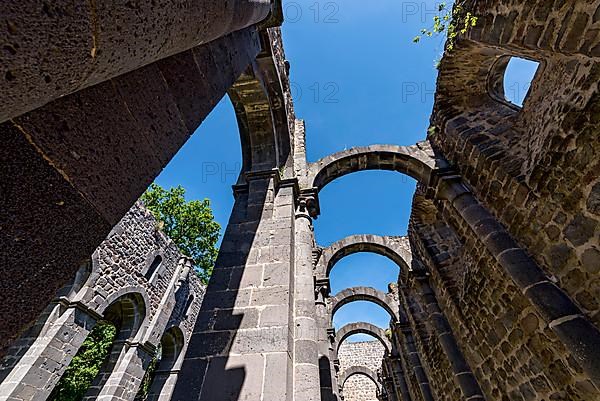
[53, 215]
[463, 374]
[100, 40]
[162, 385]
[125, 379]
[401, 386]
[306, 355]
[40, 369]
[325, 339]
[579, 336]
[241, 345]
[118, 350]
[414, 361]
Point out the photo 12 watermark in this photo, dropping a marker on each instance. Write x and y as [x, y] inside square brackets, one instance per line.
[417, 92]
[318, 12]
[316, 92]
[221, 171]
[421, 10]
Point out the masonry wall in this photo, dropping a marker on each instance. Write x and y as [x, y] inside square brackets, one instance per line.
[366, 353]
[535, 168]
[169, 298]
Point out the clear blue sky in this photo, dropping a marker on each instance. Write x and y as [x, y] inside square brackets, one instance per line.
[357, 79]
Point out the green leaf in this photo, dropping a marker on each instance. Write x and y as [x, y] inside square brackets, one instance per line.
[190, 224]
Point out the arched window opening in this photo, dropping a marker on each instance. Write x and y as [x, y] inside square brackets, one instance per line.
[161, 370]
[360, 387]
[364, 269]
[188, 305]
[156, 262]
[97, 356]
[364, 202]
[518, 76]
[86, 364]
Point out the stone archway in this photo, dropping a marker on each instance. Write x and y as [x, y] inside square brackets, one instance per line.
[165, 375]
[363, 328]
[417, 161]
[396, 249]
[386, 301]
[359, 370]
[259, 101]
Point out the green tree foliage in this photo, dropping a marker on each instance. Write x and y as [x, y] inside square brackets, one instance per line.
[85, 364]
[190, 224]
[451, 20]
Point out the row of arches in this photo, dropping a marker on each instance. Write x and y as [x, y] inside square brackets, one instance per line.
[418, 162]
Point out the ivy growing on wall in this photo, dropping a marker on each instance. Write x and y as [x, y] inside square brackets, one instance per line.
[450, 20]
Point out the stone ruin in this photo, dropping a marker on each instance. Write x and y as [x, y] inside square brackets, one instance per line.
[498, 296]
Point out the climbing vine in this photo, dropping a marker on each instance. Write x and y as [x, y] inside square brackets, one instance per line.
[451, 20]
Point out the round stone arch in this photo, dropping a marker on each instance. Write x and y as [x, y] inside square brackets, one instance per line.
[386, 301]
[359, 370]
[363, 328]
[131, 307]
[259, 100]
[416, 161]
[172, 343]
[396, 249]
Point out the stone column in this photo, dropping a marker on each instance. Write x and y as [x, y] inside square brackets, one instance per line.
[40, 369]
[162, 385]
[579, 336]
[125, 379]
[414, 361]
[325, 339]
[100, 40]
[463, 374]
[306, 355]
[401, 386]
[242, 342]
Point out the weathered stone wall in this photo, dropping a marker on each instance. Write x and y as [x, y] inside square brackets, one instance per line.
[434, 360]
[506, 343]
[535, 169]
[360, 388]
[366, 353]
[118, 270]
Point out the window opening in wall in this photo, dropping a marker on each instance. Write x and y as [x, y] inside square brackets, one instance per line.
[86, 364]
[518, 76]
[155, 263]
[148, 378]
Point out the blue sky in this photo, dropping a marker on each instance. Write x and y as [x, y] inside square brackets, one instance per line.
[357, 79]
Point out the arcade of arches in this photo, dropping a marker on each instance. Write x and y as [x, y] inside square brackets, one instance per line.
[498, 292]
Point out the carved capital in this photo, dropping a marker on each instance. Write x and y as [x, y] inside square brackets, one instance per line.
[311, 199]
[322, 289]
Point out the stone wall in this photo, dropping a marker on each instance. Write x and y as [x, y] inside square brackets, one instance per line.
[115, 283]
[365, 353]
[535, 170]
